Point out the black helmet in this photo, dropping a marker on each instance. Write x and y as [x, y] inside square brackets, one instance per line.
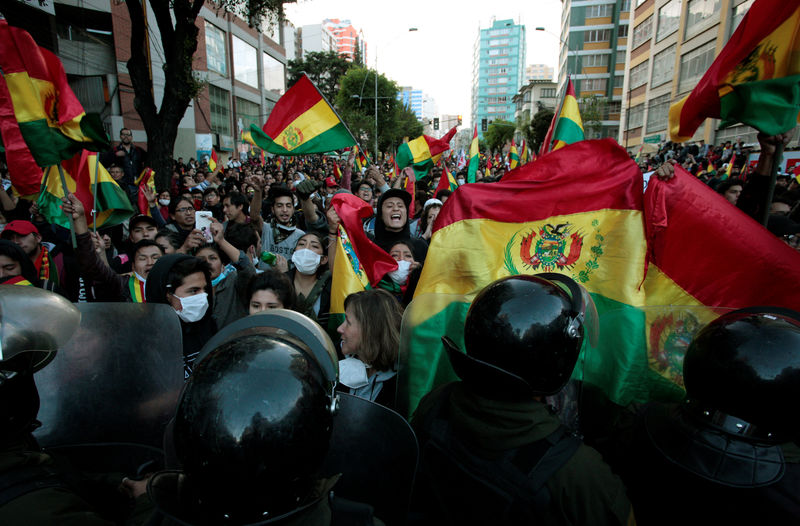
[523, 335]
[252, 426]
[26, 346]
[742, 373]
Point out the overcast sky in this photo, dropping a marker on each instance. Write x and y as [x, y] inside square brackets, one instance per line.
[437, 58]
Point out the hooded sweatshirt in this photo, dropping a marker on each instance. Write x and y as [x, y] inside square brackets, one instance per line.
[196, 334]
[386, 238]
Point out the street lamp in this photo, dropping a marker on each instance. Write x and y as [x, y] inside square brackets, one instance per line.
[361, 97]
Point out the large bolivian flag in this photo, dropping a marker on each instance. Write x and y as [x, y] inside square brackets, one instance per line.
[41, 120]
[423, 152]
[755, 79]
[113, 205]
[359, 263]
[302, 122]
[639, 255]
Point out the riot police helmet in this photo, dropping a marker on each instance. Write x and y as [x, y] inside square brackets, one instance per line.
[742, 374]
[523, 335]
[253, 424]
[34, 324]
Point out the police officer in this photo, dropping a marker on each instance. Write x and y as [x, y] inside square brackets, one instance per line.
[252, 430]
[729, 453]
[491, 451]
[35, 487]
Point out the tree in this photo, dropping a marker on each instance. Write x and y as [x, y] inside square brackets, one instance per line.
[325, 69]
[356, 105]
[177, 24]
[499, 133]
[538, 128]
[592, 109]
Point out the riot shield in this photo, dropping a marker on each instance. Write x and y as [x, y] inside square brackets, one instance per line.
[116, 381]
[376, 452]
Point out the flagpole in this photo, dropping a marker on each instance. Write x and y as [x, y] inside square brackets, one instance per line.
[334, 112]
[96, 177]
[776, 161]
[69, 216]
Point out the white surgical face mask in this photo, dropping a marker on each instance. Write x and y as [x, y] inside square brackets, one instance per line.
[400, 275]
[163, 202]
[460, 181]
[286, 228]
[193, 308]
[306, 261]
[352, 372]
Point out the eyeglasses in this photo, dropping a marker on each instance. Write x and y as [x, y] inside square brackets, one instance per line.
[184, 209]
[126, 134]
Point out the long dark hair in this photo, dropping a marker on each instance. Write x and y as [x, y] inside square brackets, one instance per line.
[13, 251]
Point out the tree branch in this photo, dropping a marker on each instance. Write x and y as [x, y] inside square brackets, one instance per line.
[138, 65]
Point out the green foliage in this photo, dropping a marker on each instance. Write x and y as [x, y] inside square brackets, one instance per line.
[537, 130]
[592, 109]
[356, 105]
[256, 11]
[325, 69]
[499, 133]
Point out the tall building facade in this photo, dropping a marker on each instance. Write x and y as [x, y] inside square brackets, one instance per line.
[348, 38]
[317, 38]
[498, 72]
[412, 99]
[594, 42]
[673, 44]
[538, 72]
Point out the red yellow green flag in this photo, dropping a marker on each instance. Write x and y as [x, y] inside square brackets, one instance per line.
[302, 122]
[523, 153]
[337, 172]
[213, 160]
[113, 205]
[423, 152]
[474, 157]
[359, 263]
[41, 120]
[754, 80]
[146, 180]
[567, 126]
[446, 181]
[513, 156]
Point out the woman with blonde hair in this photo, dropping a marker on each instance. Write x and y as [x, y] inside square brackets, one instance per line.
[370, 343]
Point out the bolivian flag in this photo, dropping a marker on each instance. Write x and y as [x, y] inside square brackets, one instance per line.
[566, 127]
[302, 122]
[446, 181]
[213, 160]
[513, 156]
[755, 79]
[146, 180]
[113, 206]
[523, 153]
[41, 120]
[474, 157]
[678, 245]
[423, 152]
[359, 263]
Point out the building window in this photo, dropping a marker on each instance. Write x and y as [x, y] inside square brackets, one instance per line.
[215, 50]
[593, 85]
[548, 93]
[273, 73]
[245, 62]
[620, 57]
[498, 71]
[499, 42]
[663, 65]
[622, 31]
[694, 64]
[636, 117]
[497, 61]
[493, 52]
[657, 113]
[590, 61]
[220, 110]
[618, 81]
[597, 35]
[499, 32]
[248, 113]
[526, 97]
[638, 75]
[643, 32]
[613, 108]
[698, 12]
[668, 18]
[738, 14]
[625, 7]
[598, 11]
